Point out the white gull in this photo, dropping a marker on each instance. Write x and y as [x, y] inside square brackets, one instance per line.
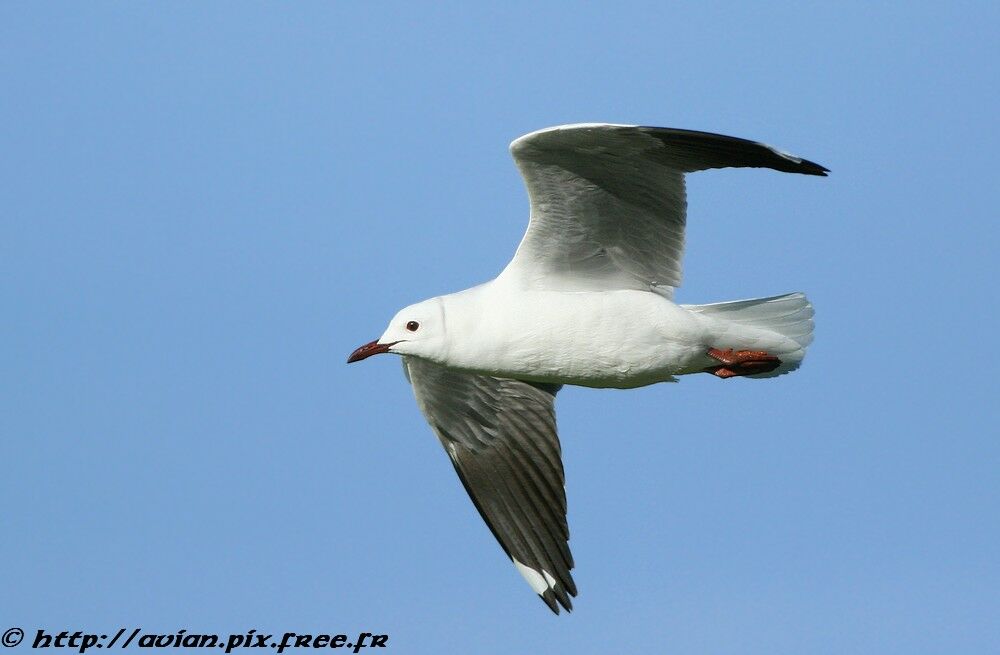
[586, 300]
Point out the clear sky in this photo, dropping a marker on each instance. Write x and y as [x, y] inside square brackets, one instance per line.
[204, 207]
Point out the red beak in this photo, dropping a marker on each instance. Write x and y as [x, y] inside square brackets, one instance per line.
[369, 349]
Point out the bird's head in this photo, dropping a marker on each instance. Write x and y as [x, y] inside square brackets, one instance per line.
[416, 330]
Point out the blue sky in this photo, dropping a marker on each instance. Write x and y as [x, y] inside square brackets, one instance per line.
[204, 207]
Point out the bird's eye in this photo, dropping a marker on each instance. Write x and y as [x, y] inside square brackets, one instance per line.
[412, 326]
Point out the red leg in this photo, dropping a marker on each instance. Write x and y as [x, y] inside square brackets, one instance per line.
[741, 362]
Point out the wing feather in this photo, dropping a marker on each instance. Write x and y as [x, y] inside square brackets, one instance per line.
[608, 202]
[501, 437]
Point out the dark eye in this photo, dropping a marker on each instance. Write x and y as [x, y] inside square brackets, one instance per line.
[412, 326]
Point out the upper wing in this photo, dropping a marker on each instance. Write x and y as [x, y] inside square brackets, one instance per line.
[501, 437]
[608, 204]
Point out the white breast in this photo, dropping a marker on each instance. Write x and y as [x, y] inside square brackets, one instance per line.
[617, 339]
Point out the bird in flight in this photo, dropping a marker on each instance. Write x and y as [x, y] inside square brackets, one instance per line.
[588, 300]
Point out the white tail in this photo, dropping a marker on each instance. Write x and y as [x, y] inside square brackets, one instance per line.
[782, 325]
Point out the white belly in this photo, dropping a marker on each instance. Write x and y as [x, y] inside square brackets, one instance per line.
[616, 339]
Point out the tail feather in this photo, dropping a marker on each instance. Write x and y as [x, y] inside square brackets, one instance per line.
[782, 325]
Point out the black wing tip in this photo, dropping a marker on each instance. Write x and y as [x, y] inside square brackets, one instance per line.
[807, 167]
[755, 154]
[792, 164]
[554, 602]
[786, 164]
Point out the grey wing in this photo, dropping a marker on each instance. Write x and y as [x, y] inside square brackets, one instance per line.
[608, 203]
[501, 437]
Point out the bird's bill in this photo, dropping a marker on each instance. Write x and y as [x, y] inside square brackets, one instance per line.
[369, 349]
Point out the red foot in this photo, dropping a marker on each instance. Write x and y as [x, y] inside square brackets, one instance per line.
[741, 362]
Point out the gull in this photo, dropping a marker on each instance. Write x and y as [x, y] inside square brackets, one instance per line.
[587, 300]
